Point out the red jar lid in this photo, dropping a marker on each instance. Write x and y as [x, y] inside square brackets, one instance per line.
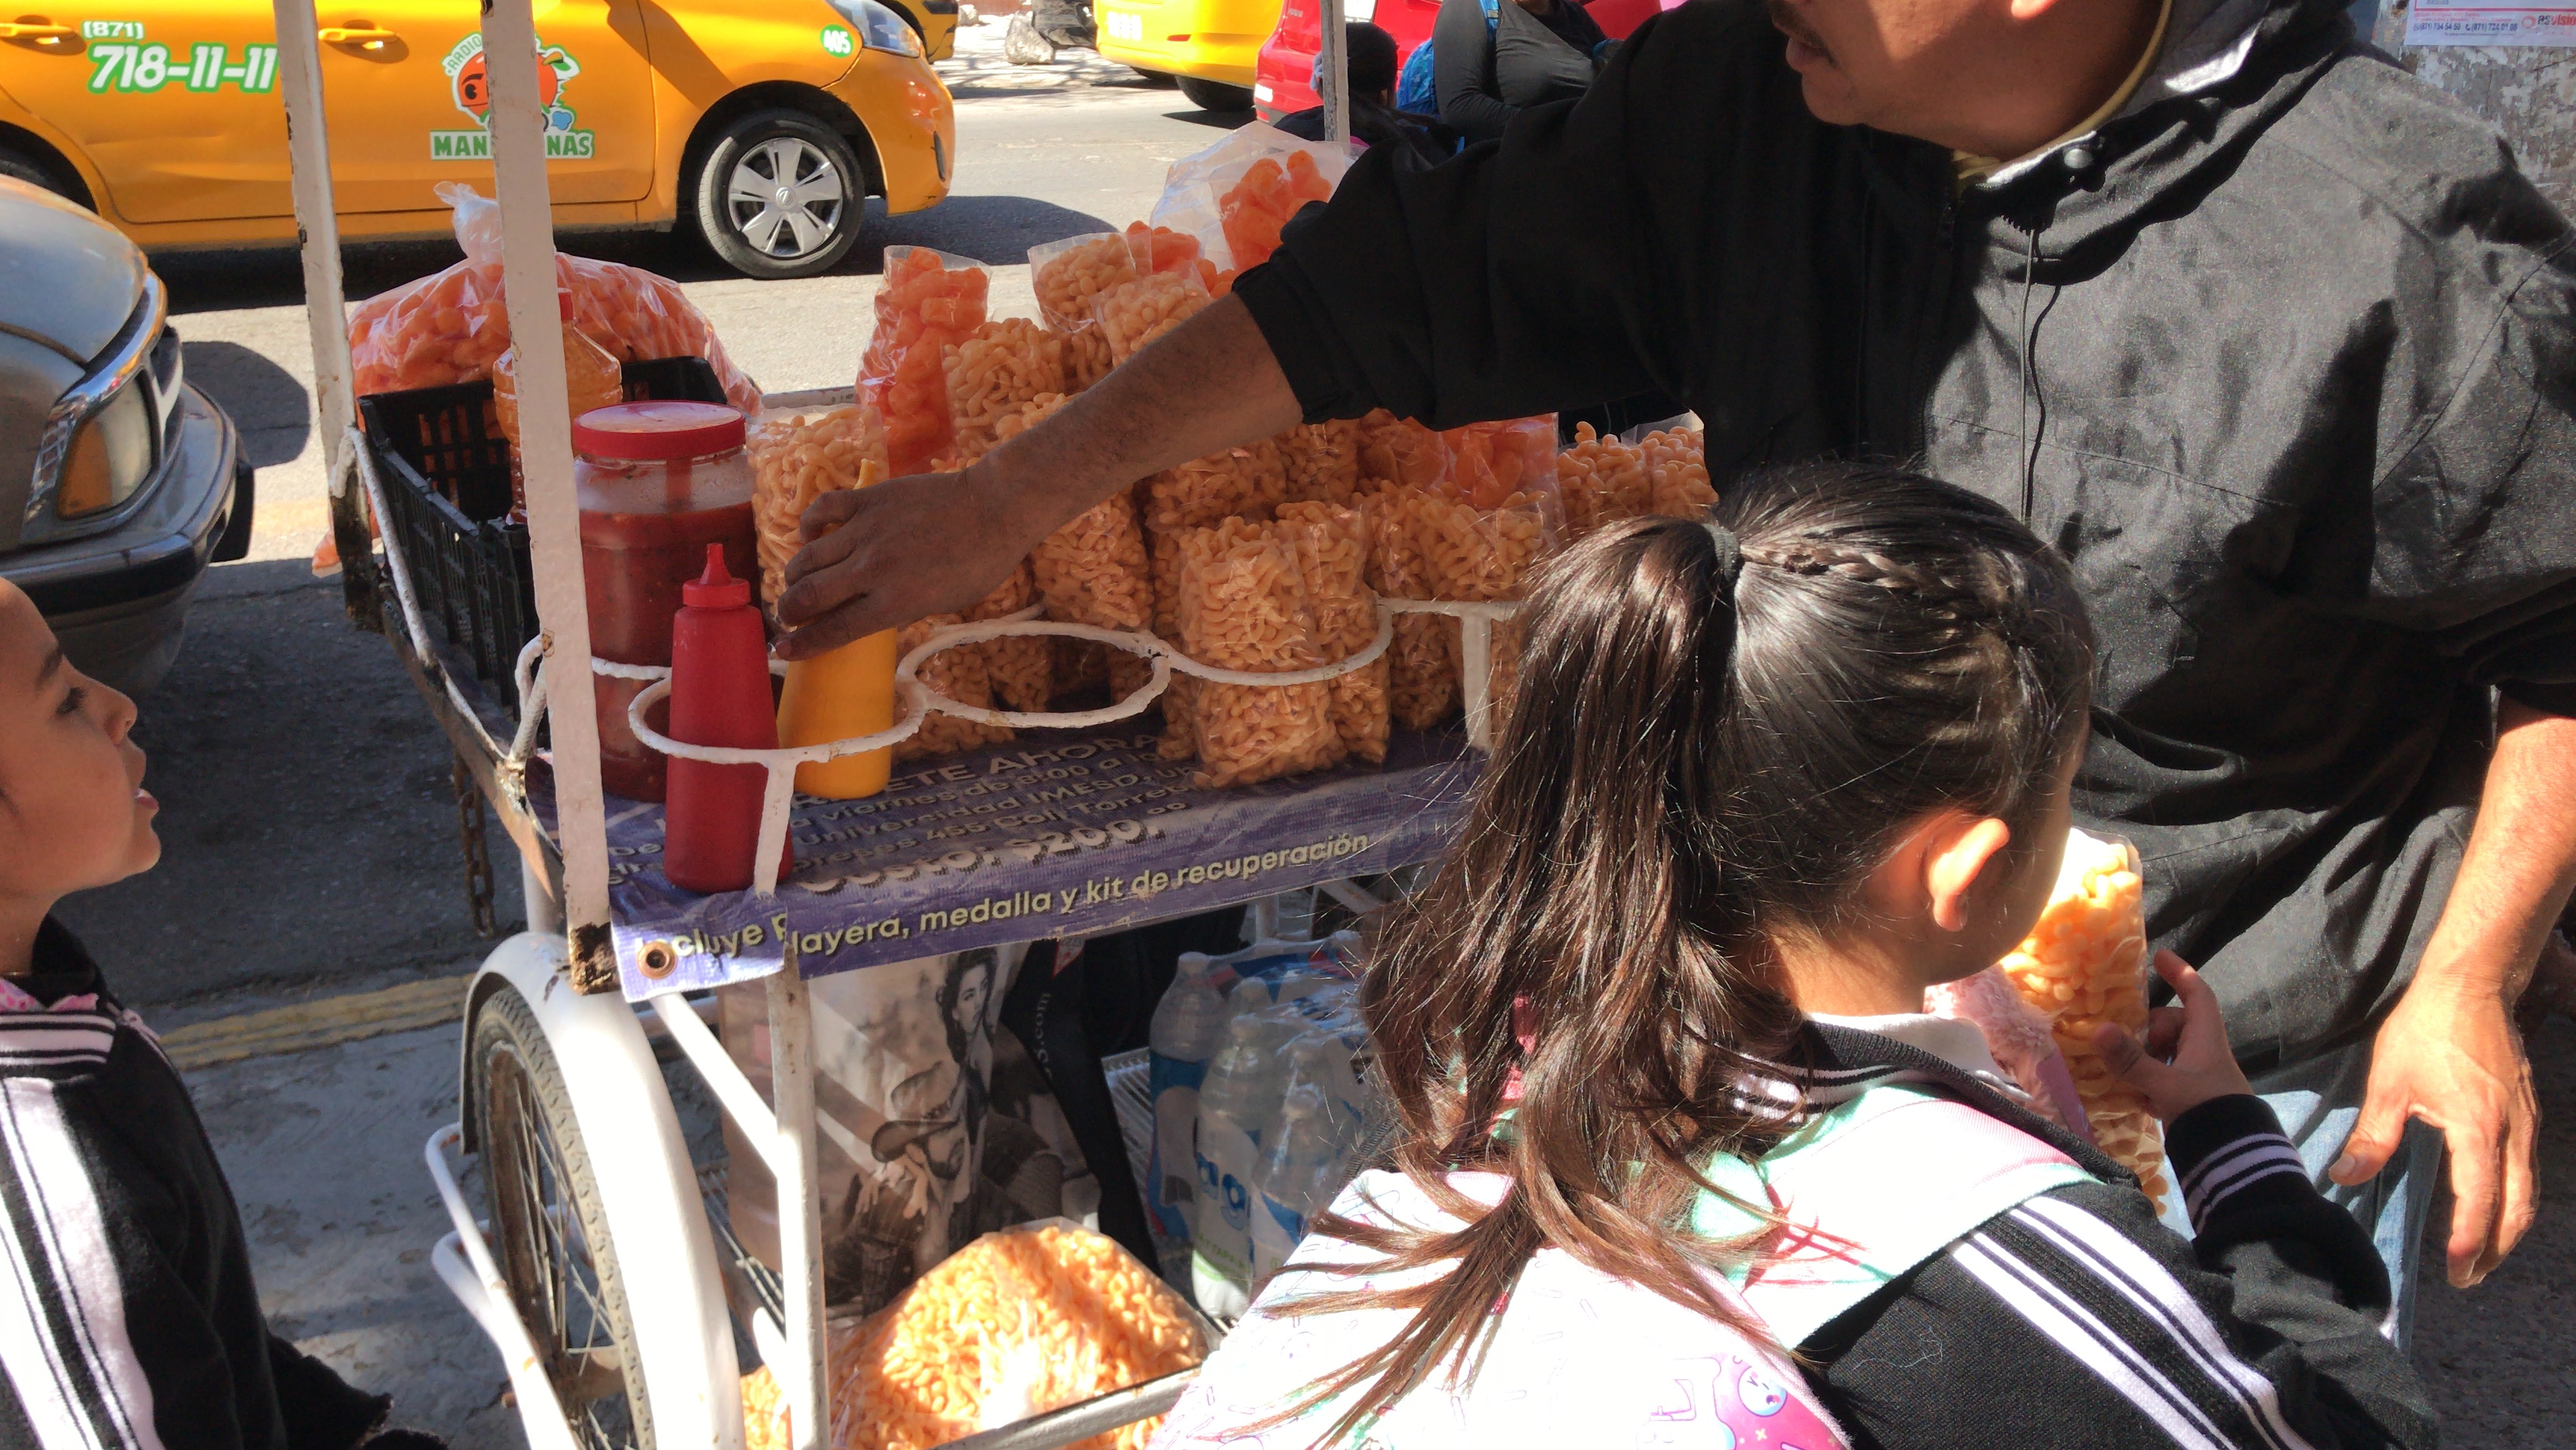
[657, 431]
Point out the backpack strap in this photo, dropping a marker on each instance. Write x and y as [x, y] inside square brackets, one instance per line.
[1843, 1183]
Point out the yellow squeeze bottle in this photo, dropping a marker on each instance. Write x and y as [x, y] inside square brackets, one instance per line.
[847, 692]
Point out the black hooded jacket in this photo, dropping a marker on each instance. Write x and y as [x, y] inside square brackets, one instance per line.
[2283, 358]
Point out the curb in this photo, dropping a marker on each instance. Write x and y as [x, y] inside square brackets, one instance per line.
[326, 1023]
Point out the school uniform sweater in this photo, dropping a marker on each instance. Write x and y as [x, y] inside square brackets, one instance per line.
[128, 1319]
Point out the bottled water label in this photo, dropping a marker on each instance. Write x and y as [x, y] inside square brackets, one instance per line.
[1173, 1172]
[1221, 1252]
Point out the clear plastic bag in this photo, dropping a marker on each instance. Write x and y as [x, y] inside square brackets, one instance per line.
[1021, 668]
[2085, 964]
[1489, 463]
[1322, 460]
[1677, 464]
[929, 302]
[1422, 658]
[452, 327]
[1236, 194]
[1399, 453]
[1069, 275]
[1332, 562]
[1601, 480]
[1243, 607]
[995, 374]
[1133, 314]
[959, 672]
[1205, 490]
[796, 458]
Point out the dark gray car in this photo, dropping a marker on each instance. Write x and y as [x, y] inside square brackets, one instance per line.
[119, 483]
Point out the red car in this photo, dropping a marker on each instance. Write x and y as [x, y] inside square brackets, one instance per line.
[1280, 79]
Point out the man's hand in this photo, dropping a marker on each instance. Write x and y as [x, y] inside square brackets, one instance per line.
[2449, 1054]
[880, 558]
[2185, 1060]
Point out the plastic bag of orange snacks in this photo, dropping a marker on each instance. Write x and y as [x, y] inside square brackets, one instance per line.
[797, 458]
[1322, 460]
[1491, 462]
[1332, 563]
[1017, 1323]
[1601, 480]
[1399, 453]
[1255, 208]
[2085, 964]
[1021, 667]
[1133, 314]
[1204, 490]
[1677, 464]
[1069, 276]
[1244, 607]
[451, 327]
[958, 672]
[1422, 659]
[994, 374]
[929, 303]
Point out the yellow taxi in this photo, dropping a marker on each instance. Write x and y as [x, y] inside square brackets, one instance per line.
[1210, 46]
[763, 126]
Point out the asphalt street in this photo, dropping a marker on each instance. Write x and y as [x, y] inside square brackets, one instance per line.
[312, 835]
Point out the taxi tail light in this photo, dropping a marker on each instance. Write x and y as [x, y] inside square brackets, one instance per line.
[110, 457]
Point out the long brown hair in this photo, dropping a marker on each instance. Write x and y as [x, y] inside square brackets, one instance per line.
[1702, 754]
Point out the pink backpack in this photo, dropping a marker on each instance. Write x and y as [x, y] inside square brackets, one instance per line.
[1580, 1358]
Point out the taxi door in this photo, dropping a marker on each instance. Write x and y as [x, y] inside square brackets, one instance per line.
[174, 103]
[405, 88]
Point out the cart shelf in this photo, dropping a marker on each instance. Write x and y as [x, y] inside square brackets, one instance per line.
[1059, 833]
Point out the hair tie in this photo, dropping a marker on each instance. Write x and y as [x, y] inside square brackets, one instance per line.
[1730, 554]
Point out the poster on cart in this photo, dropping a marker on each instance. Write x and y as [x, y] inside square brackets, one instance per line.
[2535, 23]
[1056, 834]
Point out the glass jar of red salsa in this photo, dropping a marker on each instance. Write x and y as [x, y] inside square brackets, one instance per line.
[658, 482]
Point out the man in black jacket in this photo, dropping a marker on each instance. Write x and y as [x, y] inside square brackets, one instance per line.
[2275, 343]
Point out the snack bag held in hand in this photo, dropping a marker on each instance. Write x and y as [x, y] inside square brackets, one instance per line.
[2020, 1039]
[796, 458]
[1017, 1323]
[930, 302]
[2086, 964]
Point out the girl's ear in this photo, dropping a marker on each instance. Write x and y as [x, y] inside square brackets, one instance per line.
[1960, 849]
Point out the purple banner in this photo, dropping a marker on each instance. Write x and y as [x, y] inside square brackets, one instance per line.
[1060, 833]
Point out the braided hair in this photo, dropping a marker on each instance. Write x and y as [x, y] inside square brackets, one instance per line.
[1720, 729]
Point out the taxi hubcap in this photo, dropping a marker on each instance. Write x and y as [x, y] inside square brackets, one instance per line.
[785, 197]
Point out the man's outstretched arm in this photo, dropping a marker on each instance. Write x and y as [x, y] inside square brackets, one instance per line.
[934, 543]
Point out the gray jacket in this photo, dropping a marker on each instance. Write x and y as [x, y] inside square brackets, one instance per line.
[2283, 358]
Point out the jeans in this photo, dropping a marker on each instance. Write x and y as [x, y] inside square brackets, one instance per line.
[2318, 1101]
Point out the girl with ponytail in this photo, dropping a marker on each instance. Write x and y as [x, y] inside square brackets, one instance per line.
[1680, 1161]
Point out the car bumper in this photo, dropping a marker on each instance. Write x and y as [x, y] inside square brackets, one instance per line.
[118, 601]
[912, 123]
[1214, 40]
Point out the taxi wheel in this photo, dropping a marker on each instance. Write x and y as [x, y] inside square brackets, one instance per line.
[1216, 95]
[28, 169]
[780, 195]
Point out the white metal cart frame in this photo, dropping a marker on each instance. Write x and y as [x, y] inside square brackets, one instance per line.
[645, 1182]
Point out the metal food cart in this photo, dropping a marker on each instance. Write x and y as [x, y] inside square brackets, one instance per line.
[594, 1264]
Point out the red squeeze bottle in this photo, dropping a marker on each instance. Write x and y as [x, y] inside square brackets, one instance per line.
[719, 696]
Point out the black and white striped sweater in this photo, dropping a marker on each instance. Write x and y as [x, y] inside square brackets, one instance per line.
[128, 1320]
[2076, 1320]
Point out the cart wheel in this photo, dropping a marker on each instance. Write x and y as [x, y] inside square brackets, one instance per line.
[548, 1228]
[1216, 96]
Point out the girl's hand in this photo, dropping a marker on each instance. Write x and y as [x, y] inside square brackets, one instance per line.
[2185, 1060]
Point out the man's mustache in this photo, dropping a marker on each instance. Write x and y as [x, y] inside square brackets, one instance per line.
[1793, 25]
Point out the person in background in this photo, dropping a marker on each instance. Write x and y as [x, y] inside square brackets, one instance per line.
[128, 1319]
[1489, 60]
[1374, 120]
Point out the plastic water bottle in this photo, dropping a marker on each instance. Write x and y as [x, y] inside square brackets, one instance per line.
[1242, 1089]
[1300, 1173]
[1189, 1025]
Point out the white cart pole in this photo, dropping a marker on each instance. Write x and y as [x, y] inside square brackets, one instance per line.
[545, 450]
[317, 224]
[1333, 58]
[802, 1379]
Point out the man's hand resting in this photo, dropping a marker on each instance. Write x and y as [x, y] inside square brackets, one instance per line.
[880, 558]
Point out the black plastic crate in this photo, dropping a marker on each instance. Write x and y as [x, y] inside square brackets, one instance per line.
[446, 474]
